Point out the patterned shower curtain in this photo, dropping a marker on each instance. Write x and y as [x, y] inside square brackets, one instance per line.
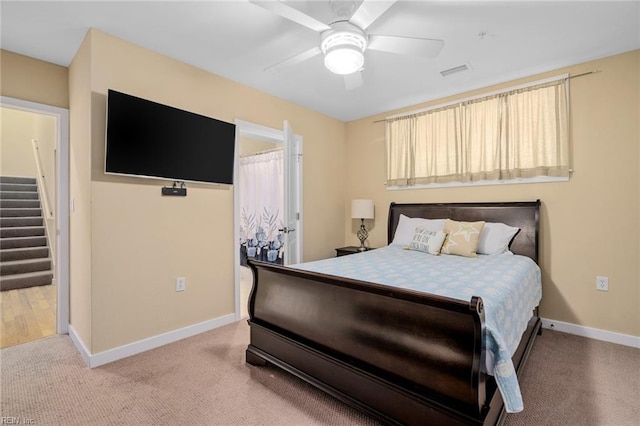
[261, 207]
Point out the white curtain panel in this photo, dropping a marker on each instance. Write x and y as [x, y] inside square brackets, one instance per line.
[521, 133]
[261, 191]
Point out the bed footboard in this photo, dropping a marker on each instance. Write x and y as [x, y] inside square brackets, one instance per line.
[402, 356]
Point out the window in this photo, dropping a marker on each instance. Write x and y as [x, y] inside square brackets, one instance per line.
[514, 134]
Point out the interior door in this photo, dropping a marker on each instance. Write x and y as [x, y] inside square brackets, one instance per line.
[291, 228]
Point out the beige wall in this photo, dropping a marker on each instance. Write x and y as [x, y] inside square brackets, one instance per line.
[80, 192]
[590, 225]
[33, 80]
[16, 150]
[129, 243]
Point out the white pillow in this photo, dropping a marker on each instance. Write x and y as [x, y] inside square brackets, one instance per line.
[427, 241]
[407, 227]
[495, 238]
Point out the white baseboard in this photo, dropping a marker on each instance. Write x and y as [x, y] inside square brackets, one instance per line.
[80, 346]
[111, 355]
[592, 333]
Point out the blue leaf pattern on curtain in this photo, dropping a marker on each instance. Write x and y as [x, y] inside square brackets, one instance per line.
[261, 181]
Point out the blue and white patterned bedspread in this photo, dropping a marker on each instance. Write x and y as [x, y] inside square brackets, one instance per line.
[509, 285]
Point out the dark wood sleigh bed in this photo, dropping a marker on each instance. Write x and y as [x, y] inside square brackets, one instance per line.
[401, 356]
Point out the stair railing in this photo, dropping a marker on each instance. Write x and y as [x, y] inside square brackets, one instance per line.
[43, 190]
[42, 181]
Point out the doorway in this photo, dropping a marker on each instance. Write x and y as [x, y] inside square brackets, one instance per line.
[35, 302]
[268, 220]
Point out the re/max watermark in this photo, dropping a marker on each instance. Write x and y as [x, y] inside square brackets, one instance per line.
[8, 420]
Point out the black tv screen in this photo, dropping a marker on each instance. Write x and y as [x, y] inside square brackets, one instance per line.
[148, 139]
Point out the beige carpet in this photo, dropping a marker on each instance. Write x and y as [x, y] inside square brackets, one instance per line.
[204, 380]
[571, 380]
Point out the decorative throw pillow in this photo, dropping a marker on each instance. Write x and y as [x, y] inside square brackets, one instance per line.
[427, 241]
[407, 227]
[462, 237]
[495, 238]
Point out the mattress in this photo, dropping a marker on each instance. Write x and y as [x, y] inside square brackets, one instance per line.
[510, 286]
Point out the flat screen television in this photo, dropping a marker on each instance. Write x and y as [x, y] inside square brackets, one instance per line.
[148, 139]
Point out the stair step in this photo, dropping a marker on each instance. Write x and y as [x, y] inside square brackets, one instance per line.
[24, 266]
[9, 222]
[19, 187]
[22, 231]
[18, 195]
[18, 179]
[23, 253]
[19, 204]
[31, 279]
[21, 242]
[20, 212]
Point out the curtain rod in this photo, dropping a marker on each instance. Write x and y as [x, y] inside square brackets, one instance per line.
[261, 152]
[384, 120]
[583, 74]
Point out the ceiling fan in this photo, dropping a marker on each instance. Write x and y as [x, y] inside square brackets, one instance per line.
[344, 41]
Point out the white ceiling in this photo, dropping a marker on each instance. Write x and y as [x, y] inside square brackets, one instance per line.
[499, 41]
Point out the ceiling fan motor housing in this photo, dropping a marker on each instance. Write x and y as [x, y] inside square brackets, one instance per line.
[343, 33]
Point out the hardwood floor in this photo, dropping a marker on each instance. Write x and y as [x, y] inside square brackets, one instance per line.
[28, 314]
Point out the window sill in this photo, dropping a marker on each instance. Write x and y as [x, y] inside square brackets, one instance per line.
[539, 179]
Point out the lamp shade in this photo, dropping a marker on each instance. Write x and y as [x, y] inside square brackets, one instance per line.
[362, 209]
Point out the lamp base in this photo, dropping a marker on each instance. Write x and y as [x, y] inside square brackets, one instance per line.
[362, 236]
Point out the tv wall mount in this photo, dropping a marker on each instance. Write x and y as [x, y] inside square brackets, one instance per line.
[179, 189]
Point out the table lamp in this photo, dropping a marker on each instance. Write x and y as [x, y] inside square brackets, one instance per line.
[362, 209]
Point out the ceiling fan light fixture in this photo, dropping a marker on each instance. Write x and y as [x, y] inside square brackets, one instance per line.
[343, 47]
[344, 60]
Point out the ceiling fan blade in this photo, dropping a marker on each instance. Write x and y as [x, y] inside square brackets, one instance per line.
[369, 11]
[292, 14]
[294, 60]
[353, 81]
[411, 46]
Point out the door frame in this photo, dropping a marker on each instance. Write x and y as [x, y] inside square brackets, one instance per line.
[62, 261]
[257, 131]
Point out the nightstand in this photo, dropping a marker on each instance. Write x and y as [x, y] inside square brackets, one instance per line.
[343, 251]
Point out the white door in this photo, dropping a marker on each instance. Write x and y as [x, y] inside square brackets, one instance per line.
[292, 182]
[292, 230]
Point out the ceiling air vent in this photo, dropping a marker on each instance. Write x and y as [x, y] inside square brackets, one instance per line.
[454, 70]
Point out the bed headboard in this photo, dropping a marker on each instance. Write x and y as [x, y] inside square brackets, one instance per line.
[524, 215]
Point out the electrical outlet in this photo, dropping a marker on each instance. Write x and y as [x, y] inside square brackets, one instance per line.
[181, 284]
[602, 283]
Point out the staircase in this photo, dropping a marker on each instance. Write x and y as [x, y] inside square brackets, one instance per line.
[24, 252]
